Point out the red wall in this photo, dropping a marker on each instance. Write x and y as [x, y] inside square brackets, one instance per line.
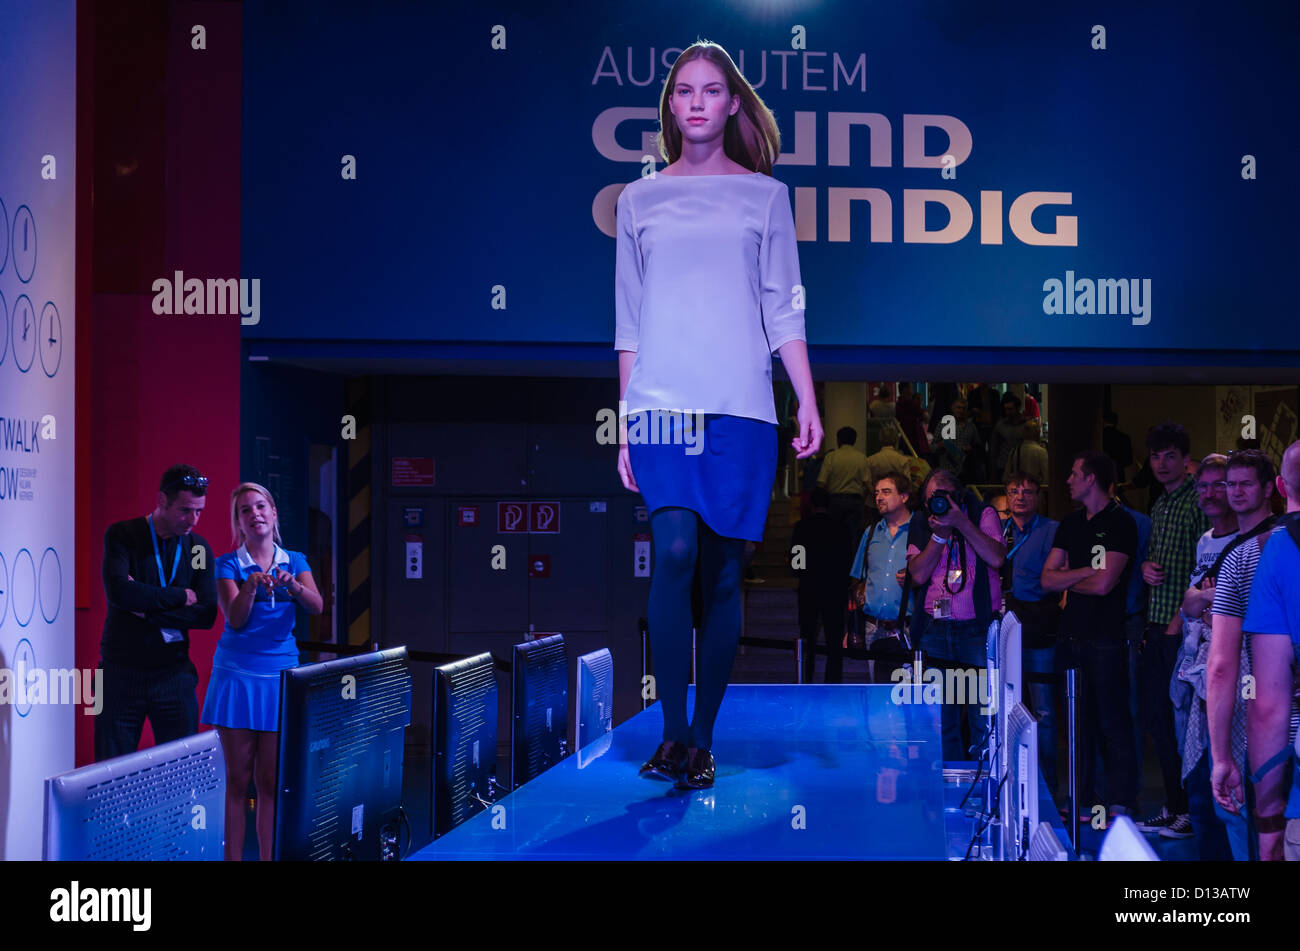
[158, 159]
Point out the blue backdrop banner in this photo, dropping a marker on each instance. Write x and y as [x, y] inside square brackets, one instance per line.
[962, 174]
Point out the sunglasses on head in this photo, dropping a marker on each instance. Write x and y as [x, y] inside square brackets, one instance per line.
[188, 481]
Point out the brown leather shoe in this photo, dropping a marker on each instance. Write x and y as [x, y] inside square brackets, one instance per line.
[699, 771]
[667, 763]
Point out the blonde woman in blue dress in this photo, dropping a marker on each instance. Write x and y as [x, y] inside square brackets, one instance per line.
[707, 289]
[259, 586]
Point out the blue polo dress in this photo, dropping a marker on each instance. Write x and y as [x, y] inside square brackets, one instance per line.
[722, 468]
[244, 689]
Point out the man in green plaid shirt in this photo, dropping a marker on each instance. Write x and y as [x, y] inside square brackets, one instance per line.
[1176, 523]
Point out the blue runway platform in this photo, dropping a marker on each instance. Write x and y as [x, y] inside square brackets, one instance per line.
[803, 772]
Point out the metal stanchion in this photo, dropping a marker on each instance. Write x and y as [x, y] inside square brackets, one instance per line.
[1071, 725]
[992, 785]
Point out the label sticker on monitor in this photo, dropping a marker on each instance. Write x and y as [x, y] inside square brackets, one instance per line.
[356, 819]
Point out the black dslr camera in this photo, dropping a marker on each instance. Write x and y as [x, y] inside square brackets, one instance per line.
[942, 501]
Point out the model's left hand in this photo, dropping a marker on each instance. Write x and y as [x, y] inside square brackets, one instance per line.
[809, 439]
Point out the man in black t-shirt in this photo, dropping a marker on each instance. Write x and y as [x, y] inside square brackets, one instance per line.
[159, 581]
[1092, 556]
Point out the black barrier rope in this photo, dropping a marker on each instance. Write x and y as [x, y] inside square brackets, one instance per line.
[892, 654]
[857, 653]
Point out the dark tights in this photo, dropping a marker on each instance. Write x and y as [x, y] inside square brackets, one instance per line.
[680, 537]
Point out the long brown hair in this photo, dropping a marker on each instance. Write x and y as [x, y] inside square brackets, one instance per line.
[750, 138]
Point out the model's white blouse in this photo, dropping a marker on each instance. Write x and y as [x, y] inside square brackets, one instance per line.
[706, 288]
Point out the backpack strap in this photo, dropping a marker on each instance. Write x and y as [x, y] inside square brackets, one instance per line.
[1292, 527]
[920, 526]
[1288, 753]
[866, 550]
[982, 595]
[1260, 529]
[1283, 755]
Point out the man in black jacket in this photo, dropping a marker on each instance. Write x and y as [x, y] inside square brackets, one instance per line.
[159, 583]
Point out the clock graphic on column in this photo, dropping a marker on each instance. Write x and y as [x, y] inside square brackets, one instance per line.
[22, 243]
[24, 665]
[51, 339]
[22, 587]
[4, 329]
[4, 236]
[23, 331]
[4, 591]
[49, 587]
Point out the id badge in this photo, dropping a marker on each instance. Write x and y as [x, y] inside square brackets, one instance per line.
[954, 578]
[942, 608]
[171, 635]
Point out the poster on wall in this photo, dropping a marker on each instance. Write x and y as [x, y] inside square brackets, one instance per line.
[1275, 415]
[1267, 415]
[1232, 406]
[41, 692]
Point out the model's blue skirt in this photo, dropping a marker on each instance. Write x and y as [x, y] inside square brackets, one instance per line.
[241, 697]
[724, 473]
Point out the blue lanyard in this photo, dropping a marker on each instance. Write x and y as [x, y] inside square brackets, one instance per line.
[176, 562]
[1024, 538]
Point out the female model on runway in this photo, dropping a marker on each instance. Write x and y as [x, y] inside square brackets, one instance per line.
[706, 289]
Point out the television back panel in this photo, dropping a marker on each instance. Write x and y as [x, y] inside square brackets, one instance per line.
[539, 725]
[595, 696]
[164, 803]
[465, 709]
[342, 745]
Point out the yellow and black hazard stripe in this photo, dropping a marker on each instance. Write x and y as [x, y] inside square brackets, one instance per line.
[358, 541]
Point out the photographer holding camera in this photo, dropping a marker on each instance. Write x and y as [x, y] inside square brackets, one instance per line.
[955, 547]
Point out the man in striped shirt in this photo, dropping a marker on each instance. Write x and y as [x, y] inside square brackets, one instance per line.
[1177, 523]
[1250, 489]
